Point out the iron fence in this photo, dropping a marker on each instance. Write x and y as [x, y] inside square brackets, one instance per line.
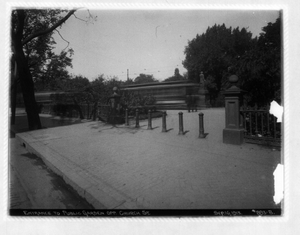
[260, 126]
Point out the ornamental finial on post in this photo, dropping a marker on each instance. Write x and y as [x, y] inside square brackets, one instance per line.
[233, 79]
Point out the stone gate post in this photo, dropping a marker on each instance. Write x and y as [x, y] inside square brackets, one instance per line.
[234, 130]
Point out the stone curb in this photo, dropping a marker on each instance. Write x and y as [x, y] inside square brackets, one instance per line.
[93, 190]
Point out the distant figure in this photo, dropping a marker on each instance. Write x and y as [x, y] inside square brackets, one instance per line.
[189, 102]
[194, 103]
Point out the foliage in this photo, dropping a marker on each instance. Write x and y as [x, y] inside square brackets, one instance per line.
[78, 87]
[31, 40]
[221, 51]
[132, 99]
[129, 81]
[45, 66]
[102, 88]
[259, 69]
[144, 78]
[53, 72]
[211, 86]
[75, 84]
[214, 51]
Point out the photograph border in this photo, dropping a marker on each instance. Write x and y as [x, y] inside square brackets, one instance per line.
[285, 7]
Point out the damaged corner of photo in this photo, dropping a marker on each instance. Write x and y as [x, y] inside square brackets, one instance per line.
[277, 111]
[278, 184]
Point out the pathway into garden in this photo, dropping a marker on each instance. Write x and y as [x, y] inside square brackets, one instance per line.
[125, 167]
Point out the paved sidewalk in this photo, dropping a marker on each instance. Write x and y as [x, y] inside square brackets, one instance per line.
[124, 167]
[34, 186]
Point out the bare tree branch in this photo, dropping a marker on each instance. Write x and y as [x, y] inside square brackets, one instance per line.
[63, 39]
[80, 19]
[89, 18]
[43, 32]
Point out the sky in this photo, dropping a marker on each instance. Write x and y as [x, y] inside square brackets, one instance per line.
[144, 41]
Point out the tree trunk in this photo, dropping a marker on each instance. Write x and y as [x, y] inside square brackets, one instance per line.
[13, 96]
[26, 80]
[29, 100]
[27, 88]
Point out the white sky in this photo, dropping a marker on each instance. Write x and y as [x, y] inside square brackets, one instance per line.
[145, 41]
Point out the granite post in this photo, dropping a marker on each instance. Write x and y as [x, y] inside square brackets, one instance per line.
[234, 129]
[164, 123]
[180, 114]
[137, 121]
[149, 120]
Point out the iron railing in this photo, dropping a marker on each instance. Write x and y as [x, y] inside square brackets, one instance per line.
[260, 126]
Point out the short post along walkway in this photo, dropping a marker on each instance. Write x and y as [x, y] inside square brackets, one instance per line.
[128, 167]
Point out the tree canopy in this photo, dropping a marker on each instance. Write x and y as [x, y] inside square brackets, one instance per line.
[214, 51]
[53, 72]
[259, 68]
[31, 34]
[144, 78]
[255, 60]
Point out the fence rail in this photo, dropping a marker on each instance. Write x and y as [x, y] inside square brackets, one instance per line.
[261, 127]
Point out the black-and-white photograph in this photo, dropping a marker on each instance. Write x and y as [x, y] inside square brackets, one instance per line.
[146, 112]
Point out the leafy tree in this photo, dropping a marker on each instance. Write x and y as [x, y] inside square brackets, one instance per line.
[259, 69]
[128, 82]
[214, 51]
[144, 78]
[53, 72]
[29, 31]
[76, 93]
[257, 61]
[75, 84]
[133, 100]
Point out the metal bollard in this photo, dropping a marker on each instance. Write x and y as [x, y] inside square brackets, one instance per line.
[137, 125]
[164, 123]
[201, 126]
[149, 120]
[126, 118]
[180, 114]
